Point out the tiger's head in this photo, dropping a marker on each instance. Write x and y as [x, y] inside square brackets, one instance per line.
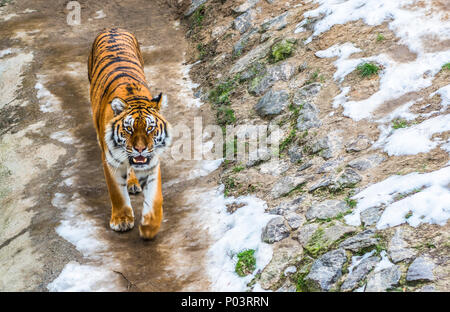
[136, 134]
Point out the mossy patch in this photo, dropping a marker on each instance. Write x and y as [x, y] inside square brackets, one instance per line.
[399, 123]
[446, 66]
[220, 95]
[367, 69]
[317, 245]
[380, 37]
[282, 50]
[197, 17]
[246, 262]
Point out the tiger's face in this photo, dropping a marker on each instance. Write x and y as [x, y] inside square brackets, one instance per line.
[137, 134]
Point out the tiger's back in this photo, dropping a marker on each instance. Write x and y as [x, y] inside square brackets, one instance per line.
[115, 69]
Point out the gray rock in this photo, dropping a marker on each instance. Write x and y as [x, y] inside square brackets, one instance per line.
[398, 248]
[359, 272]
[275, 230]
[359, 241]
[326, 209]
[195, 4]
[243, 22]
[383, 279]
[308, 117]
[295, 220]
[427, 288]
[295, 154]
[365, 163]
[347, 178]
[248, 59]
[335, 232]
[286, 184]
[285, 254]
[370, 216]
[244, 7]
[272, 103]
[306, 94]
[218, 31]
[421, 270]
[277, 23]
[323, 182]
[309, 113]
[285, 208]
[305, 233]
[283, 71]
[254, 70]
[274, 168]
[359, 144]
[319, 145]
[258, 156]
[305, 166]
[326, 270]
[249, 37]
[330, 165]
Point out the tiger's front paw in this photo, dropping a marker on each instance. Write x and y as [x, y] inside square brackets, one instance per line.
[122, 221]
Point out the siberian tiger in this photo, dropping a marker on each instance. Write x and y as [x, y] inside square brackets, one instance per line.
[130, 129]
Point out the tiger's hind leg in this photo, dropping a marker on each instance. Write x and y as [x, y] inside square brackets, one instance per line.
[133, 183]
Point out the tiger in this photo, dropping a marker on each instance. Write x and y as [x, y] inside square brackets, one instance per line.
[131, 131]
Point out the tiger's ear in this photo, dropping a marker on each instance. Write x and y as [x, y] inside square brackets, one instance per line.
[117, 106]
[161, 100]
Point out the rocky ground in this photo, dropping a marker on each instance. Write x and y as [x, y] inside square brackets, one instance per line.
[358, 200]
[272, 62]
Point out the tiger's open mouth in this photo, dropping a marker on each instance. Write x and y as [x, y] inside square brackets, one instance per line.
[139, 160]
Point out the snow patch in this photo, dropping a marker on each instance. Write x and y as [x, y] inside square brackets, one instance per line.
[424, 198]
[232, 233]
[415, 139]
[98, 274]
[49, 103]
[99, 14]
[77, 277]
[412, 25]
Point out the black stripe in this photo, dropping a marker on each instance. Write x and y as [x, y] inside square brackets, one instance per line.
[106, 89]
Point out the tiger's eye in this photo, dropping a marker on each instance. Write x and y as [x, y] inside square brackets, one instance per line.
[129, 129]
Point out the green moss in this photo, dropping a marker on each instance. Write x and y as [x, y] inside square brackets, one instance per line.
[380, 38]
[220, 95]
[238, 169]
[281, 50]
[350, 202]
[313, 77]
[246, 262]
[446, 66]
[288, 140]
[225, 116]
[198, 17]
[230, 184]
[202, 51]
[317, 245]
[367, 69]
[399, 123]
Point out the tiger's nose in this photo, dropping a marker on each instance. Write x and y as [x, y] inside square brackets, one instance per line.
[140, 149]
